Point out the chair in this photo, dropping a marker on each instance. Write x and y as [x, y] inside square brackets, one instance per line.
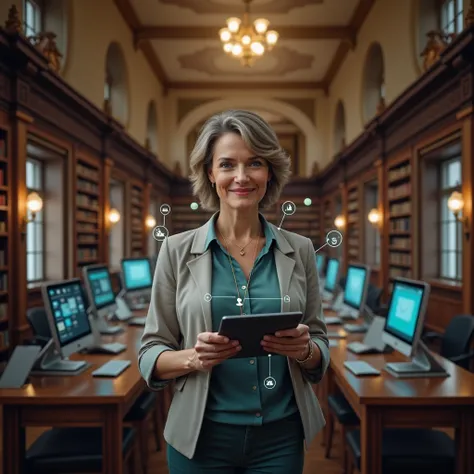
[340, 410]
[76, 450]
[410, 451]
[149, 403]
[374, 295]
[456, 340]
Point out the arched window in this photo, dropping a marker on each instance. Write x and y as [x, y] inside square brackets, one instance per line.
[339, 128]
[151, 141]
[373, 84]
[451, 16]
[116, 84]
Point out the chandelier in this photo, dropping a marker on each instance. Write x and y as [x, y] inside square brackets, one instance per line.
[247, 41]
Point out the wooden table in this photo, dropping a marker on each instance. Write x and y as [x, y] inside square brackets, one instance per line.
[80, 400]
[388, 402]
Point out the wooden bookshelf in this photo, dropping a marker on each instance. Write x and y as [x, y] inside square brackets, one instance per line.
[137, 219]
[400, 223]
[354, 221]
[88, 213]
[4, 243]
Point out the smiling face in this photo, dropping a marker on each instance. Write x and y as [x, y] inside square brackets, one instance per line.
[240, 177]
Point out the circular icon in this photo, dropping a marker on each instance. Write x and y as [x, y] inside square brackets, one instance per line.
[334, 238]
[288, 208]
[165, 209]
[160, 232]
[286, 299]
[269, 383]
[207, 297]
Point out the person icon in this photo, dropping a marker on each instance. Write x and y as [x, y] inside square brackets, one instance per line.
[269, 383]
[239, 302]
[160, 233]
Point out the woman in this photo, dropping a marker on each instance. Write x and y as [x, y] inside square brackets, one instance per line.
[236, 415]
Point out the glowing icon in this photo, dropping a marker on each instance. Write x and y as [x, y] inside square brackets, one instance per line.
[165, 209]
[207, 297]
[334, 238]
[239, 302]
[160, 232]
[286, 299]
[269, 383]
[288, 208]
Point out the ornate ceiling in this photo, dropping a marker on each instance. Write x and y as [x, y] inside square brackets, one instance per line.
[180, 39]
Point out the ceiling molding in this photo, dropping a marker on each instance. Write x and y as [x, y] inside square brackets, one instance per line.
[211, 32]
[246, 85]
[357, 20]
[131, 18]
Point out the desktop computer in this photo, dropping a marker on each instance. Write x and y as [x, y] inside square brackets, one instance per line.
[320, 265]
[354, 296]
[137, 281]
[403, 329]
[330, 282]
[70, 327]
[101, 296]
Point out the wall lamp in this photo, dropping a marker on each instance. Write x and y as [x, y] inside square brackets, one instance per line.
[456, 205]
[375, 217]
[150, 221]
[34, 204]
[340, 222]
[114, 216]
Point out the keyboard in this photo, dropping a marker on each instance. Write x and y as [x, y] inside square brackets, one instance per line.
[332, 320]
[360, 367]
[112, 368]
[137, 321]
[358, 347]
[113, 347]
[355, 328]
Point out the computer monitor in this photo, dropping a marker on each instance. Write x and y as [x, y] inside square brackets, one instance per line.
[320, 261]
[137, 276]
[357, 283]
[403, 328]
[68, 320]
[100, 293]
[332, 273]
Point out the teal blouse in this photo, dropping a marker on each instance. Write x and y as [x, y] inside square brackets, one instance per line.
[237, 393]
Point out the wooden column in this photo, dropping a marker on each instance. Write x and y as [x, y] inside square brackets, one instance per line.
[17, 263]
[147, 190]
[105, 201]
[381, 189]
[467, 192]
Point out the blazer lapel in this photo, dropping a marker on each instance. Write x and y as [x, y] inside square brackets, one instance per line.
[285, 266]
[201, 271]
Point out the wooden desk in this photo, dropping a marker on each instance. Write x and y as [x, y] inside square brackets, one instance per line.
[387, 402]
[80, 400]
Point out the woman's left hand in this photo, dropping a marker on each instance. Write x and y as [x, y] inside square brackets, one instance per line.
[290, 342]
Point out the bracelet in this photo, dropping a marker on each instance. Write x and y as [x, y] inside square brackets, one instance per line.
[310, 355]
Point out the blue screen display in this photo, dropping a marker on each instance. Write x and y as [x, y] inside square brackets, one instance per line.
[101, 286]
[355, 284]
[137, 274]
[320, 263]
[331, 274]
[404, 310]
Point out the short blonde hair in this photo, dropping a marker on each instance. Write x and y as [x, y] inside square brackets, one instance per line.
[259, 137]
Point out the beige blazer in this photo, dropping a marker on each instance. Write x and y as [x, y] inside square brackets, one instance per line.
[178, 312]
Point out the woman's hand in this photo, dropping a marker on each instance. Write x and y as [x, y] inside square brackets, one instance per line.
[211, 349]
[292, 343]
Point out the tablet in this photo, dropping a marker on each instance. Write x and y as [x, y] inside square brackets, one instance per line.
[250, 329]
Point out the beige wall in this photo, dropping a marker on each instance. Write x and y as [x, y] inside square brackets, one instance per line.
[94, 24]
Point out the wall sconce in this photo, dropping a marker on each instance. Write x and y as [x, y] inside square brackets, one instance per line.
[456, 205]
[34, 204]
[340, 222]
[114, 216]
[375, 217]
[150, 221]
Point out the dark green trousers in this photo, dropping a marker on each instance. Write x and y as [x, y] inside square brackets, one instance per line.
[273, 448]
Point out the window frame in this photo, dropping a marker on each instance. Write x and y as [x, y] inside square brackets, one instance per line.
[40, 191]
[457, 21]
[443, 211]
[39, 8]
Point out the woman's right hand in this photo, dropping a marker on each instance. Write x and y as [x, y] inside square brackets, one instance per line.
[211, 349]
